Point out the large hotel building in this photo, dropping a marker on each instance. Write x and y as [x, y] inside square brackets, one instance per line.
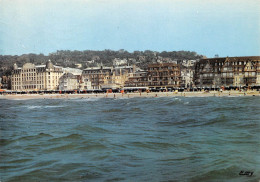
[228, 72]
[164, 75]
[36, 77]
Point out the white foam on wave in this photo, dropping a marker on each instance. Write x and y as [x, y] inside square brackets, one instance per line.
[176, 98]
[41, 107]
[123, 98]
[91, 99]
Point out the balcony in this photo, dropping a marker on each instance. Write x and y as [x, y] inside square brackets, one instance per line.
[250, 76]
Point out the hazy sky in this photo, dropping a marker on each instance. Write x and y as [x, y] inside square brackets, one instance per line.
[209, 27]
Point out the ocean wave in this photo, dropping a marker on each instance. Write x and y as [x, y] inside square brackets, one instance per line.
[91, 129]
[92, 146]
[113, 110]
[219, 121]
[151, 145]
[181, 122]
[219, 174]
[19, 160]
[67, 147]
[25, 138]
[66, 138]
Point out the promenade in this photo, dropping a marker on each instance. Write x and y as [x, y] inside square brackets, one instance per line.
[132, 95]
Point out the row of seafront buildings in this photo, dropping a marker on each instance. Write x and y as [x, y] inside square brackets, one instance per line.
[208, 73]
[32, 77]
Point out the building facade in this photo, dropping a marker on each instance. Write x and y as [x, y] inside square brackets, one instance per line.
[85, 83]
[187, 77]
[164, 75]
[36, 77]
[137, 79]
[228, 72]
[68, 81]
[5, 82]
[107, 77]
[119, 75]
[96, 75]
[119, 62]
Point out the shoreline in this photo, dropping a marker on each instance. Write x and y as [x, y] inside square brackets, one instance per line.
[131, 95]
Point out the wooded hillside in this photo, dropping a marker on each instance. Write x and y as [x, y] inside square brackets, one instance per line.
[67, 58]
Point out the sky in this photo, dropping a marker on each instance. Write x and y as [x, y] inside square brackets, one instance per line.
[208, 27]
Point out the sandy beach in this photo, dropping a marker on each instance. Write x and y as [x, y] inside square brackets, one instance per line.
[131, 95]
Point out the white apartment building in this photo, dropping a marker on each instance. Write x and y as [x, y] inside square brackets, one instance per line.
[36, 77]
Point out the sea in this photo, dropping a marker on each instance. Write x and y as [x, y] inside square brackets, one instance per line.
[130, 139]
